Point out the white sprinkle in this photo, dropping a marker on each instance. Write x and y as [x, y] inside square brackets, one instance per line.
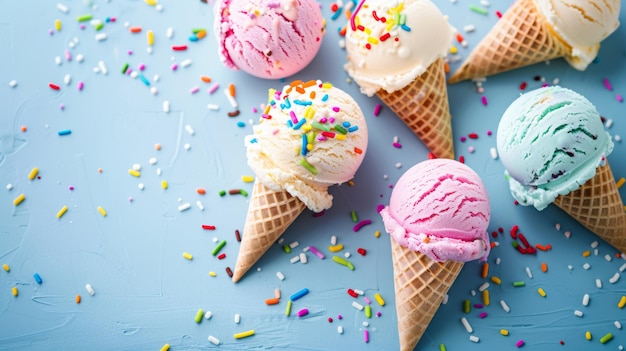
[159, 7]
[498, 260]
[154, 91]
[570, 267]
[599, 283]
[62, 8]
[614, 278]
[231, 99]
[578, 313]
[469, 28]
[155, 78]
[474, 338]
[303, 258]
[586, 266]
[467, 325]
[184, 207]
[622, 268]
[80, 58]
[618, 325]
[208, 315]
[280, 241]
[485, 3]
[58, 60]
[357, 305]
[294, 244]
[152, 161]
[594, 244]
[213, 340]
[237, 318]
[10, 187]
[280, 276]
[90, 290]
[295, 259]
[398, 165]
[473, 292]
[103, 67]
[608, 257]
[187, 146]
[505, 307]
[365, 324]
[67, 79]
[529, 273]
[342, 43]
[567, 234]
[395, 139]
[101, 36]
[445, 299]
[166, 106]
[595, 252]
[340, 329]
[464, 43]
[189, 129]
[149, 49]
[13, 83]
[169, 33]
[617, 138]
[483, 287]
[555, 81]
[141, 186]
[347, 254]
[586, 300]
[213, 107]
[333, 240]
[136, 167]
[471, 149]
[608, 123]
[494, 153]
[158, 171]
[359, 292]
[557, 226]
[185, 63]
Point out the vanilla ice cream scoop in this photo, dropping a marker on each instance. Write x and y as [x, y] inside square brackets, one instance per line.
[582, 24]
[311, 136]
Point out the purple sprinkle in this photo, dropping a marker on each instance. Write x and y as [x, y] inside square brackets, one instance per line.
[142, 67]
[174, 66]
[81, 85]
[489, 132]
[319, 214]
[377, 109]
[619, 98]
[194, 90]
[50, 31]
[379, 208]
[367, 300]
[339, 316]
[303, 312]
[71, 187]
[482, 315]
[397, 145]
[519, 343]
[484, 100]
[254, 110]
[366, 336]
[478, 305]
[316, 252]
[607, 84]
[463, 138]
[336, 108]
[359, 225]
[378, 314]
[213, 88]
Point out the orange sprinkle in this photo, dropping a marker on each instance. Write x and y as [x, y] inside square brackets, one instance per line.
[544, 267]
[300, 89]
[157, 146]
[427, 239]
[446, 67]
[459, 37]
[543, 247]
[351, 182]
[135, 29]
[201, 34]
[77, 298]
[231, 89]
[23, 128]
[358, 150]
[201, 191]
[485, 271]
[342, 32]
[312, 95]
[348, 14]
[205, 79]
[492, 244]
[99, 170]
[295, 82]
[272, 301]
[309, 84]
[586, 253]
[277, 293]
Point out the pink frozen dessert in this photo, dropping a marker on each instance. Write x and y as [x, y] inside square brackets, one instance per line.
[437, 216]
[269, 39]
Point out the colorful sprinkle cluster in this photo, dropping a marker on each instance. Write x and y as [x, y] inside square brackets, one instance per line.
[393, 20]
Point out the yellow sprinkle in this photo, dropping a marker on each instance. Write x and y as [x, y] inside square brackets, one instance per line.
[18, 200]
[588, 335]
[244, 334]
[61, 211]
[187, 255]
[102, 211]
[164, 184]
[367, 31]
[504, 332]
[496, 280]
[57, 25]
[327, 85]
[340, 136]
[486, 300]
[372, 40]
[14, 291]
[33, 173]
[247, 178]
[308, 112]
[620, 182]
[541, 292]
[212, 274]
[586, 253]
[134, 173]
[6, 267]
[335, 248]
[150, 37]
[151, 2]
[165, 347]
[622, 302]
[307, 128]
[453, 49]
[379, 299]
[377, 233]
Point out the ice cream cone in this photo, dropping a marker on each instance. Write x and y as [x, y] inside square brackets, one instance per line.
[520, 38]
[423, 107]
[269, 214]
[598, 206]
[420, 286]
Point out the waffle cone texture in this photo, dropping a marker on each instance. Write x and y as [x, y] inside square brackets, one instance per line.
[598, 206]
[420, 286]
[269, 214]
[521, 37]
[423, 107]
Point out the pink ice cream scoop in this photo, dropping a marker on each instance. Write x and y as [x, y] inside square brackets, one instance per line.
[440, 208]
[270, 39]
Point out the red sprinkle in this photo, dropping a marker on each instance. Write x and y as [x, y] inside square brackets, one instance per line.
[54, 86]
[352, 293]
[208, 227]
[229, 272]
[237, 235]
[522, 86]
[330, 319]
[462, 159]
[221, 256]
[431, 156]
[361, 251]
[473, 135]
[334, 7]
[499, 14]
[514, 230]
[179, 47]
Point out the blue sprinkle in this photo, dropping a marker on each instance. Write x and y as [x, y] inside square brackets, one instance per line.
[303, 150]
[299, 124]
[193, 37]
[241, 124]
[298, 294]
[144, 79]
[353, 129]
[325, 97]
[65, 132]
[346, 124]
[302, 102]
[253, 141]
[37, 278]
[289, 123]
[405, 27]
[287, 103]
[337, 14]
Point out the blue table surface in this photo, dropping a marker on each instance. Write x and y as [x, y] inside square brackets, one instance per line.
[147, 295]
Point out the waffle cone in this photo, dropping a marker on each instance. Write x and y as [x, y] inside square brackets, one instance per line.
[423, 107]
[269, 214]
[520, 38]
[598, 206]
[420, 286]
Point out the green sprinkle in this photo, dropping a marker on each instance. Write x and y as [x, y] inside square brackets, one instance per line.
[402, 19]
[310, 137]
[320, 126]
[288, 309]
[199, 315]
[308, 166]
[442, 347]
[243, 192]
[477, 9]
[222, 192]
[219, 246]
[84, 18]
[466, 306]
[340, 129]
[606, 338]
[98, 26]
[287, 248]
[368, 311]
[342, 261]
[519, 283]
[197, 30]
[125, 68]
[354, 218]
[515, 244]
